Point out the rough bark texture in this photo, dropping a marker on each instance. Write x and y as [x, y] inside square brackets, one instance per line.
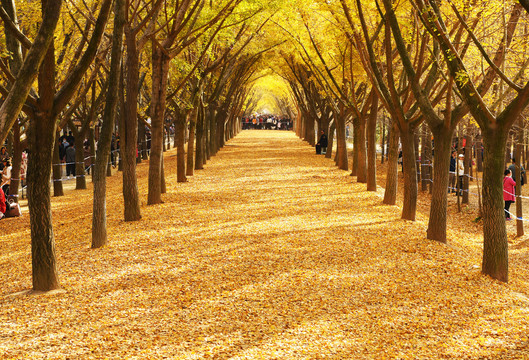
[41, 141]
[437, 221]
[80, 177]
[129, 133]
[191, 142]
[495, 246]
[180, 136]
[372, 145]
[518, 179]
[390, 193]
[160, 73]
[341, 145]
[99, 217]
[409, 206]
[199, 156]
[57, 173]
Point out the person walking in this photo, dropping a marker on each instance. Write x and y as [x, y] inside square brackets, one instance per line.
[70, 160]
[508, 192]
[323, 143]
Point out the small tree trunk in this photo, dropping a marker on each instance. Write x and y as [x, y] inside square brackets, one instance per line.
[341, 143]
[199, 156]
[330, 140]
[356, 142]
[390, 194]
[191, 142]
[383, 141]
[57, 172]
[17, 163]
[80, 178]
[468, 163]
[409, 207]
[180, 137]
[437, 221]
[372, 145]
[518, 179]
[361, 171]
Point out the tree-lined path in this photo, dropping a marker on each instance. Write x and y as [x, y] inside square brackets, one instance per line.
[269, 252]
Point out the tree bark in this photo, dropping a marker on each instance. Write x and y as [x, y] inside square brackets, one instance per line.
[199, 155]
[129, 132]
[390, 194]
[99, 217]
[41, 141]
[57, 173]
[518, 178]
[160, 73]
[180, 135]
[441, 172]
[495, 247]
[191, 142]
[372, 145]
[409, 206]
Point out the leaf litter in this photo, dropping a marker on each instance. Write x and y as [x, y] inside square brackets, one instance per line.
[270, 252]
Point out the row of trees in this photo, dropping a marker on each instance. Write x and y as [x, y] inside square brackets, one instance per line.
[188, 64]
[424, 63]
[198, 65]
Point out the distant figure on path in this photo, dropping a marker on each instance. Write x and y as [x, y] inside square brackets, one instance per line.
[508, 192]
[323, 143]
[70, 160]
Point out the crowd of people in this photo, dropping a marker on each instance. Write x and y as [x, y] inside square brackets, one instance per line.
[268, 122]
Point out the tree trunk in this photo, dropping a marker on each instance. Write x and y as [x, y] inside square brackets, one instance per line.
[180, 137]
[99, 217]
[17, 163]
[372, 145]
[330, 140]
[80, 178]
[392, 180]
[361, 171]
[495, 246]
[356, 142]
[57, 173]
[383, 141]
[199, 156]
[441, 172]
[129, 133]
[160, 73]
[41, 141]
[468, 163]
[213, 131]
[409, 206]
[518, 178]
[341, 143]
[191, 142]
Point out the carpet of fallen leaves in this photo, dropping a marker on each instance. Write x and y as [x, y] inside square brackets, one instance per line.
[270, 252]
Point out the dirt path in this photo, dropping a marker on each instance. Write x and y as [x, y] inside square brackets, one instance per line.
[270, 252]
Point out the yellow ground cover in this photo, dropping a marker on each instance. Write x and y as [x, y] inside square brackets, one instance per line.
[270, 252]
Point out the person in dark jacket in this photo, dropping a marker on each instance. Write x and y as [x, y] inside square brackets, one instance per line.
[70, 160]
[323, 142]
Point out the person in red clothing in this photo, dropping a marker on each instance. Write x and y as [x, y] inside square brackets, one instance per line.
[508, 192]
[2, 204]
